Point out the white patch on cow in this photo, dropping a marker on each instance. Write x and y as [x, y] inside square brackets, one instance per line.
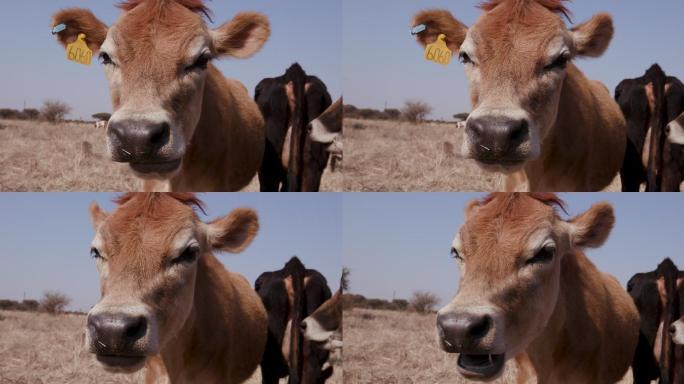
[321, 134]
[285, 345]
[646, 149]
[285, 155]
[675, 132]
[315, 331]
[678, 331]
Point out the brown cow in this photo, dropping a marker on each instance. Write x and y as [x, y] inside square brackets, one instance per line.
[535, 115]
[325, 320]
[177, 121]
[527, 291]
[167, 302]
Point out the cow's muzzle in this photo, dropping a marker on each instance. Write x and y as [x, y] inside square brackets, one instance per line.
[498, 141]
[146, 145]
[119, 340]
[469, 335]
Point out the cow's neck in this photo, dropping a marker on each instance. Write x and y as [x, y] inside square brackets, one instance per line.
[196, 353]
[568, 158]
[204, 160]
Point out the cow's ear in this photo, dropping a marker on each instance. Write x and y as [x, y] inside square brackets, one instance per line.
[97, 215]
[234, 232]
[243, 36]
[436, 22]
[591, 229]
[592, 37]
[77, 21]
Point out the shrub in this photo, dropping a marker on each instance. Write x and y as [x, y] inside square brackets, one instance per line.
[423, 301]
[54, 110]
[415, 110]
[54, 302]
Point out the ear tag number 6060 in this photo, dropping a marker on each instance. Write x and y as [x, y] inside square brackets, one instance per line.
[79, 52]
[438, 51]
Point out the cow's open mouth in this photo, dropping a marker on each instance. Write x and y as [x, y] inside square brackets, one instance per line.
[121, 362]
[163, 167]
[480, 366]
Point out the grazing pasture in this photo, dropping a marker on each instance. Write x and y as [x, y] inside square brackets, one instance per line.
[388, 347]
[39, 156]
[383, 155]
[37, 348]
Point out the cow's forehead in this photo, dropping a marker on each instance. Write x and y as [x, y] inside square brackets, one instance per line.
[169, 31]
[511, 28]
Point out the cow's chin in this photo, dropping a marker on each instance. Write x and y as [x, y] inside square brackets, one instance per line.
[121, 363]
[506, 168]
[156, 170]
[481, 367]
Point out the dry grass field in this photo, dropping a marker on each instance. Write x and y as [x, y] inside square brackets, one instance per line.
[387, 347]
[399, 156]
[37, 348]
[39, 156]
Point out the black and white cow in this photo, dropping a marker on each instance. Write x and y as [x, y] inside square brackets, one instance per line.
[290, 295]
[292, 160]
[659, 296]
[649, 103]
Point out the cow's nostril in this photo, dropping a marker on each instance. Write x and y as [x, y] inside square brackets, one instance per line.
[159, 135]
[518, 132]
[136, 328]
[673, 329]
[302, 325]
[476, 127]
[667, 130]
[480, 327]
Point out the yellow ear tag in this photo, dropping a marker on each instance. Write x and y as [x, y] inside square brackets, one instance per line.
[438, 51]
[79, 52]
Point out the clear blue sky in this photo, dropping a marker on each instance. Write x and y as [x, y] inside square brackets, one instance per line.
[34, 68]
[383, 63]
[400, 242]
[46, 239]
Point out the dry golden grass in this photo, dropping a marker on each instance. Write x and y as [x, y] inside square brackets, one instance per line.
[387, 347]
[37, 348]
[39, 156]
[399, 156]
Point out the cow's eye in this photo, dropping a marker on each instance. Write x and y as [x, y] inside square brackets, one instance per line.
[544, 255]
[188, 255]
[455, 254]
[559, 63]
[95, 254]
[464, 58]
[105, 59]
[200, 63]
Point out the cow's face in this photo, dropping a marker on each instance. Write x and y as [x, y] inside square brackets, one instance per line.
[157, 59]
[675, 130]
[677, 331]
[148, 253]
[510, 251]
[516, 58]
[326, 319]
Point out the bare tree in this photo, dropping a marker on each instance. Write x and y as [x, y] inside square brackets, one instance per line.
[54, 302]
[344, 281]
[54, 110]
[423, 301]
[415, 110]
